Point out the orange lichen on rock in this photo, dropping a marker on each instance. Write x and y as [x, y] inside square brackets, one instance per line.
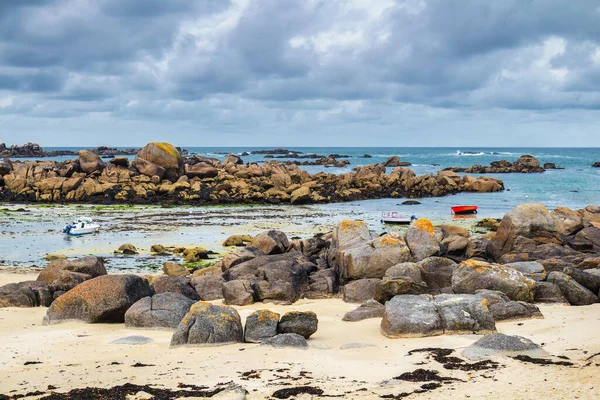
[389, 240]
[169, 149]
[425, 225]
[347, 225]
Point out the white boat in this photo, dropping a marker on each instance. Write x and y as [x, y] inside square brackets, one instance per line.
[395, 217]
[81, 226]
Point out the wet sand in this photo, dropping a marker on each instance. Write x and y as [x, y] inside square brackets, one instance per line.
[77, 355]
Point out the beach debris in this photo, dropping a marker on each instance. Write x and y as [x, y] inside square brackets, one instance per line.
[296, 391]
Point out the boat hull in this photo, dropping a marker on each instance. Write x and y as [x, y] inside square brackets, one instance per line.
[462, 210]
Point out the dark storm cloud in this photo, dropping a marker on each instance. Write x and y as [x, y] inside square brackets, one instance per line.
[245, 62]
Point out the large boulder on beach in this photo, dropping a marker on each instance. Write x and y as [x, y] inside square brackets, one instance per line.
[271, 242]
[531, 269]
[360, 290]
[499, 344]
[163, 310]
[472, 275]
[303, 323]
[102, 299]
[526, 221]
[92, 266]
[209, 287]
[420, 238]
[279, 278]
[424, 315]
[261, 325]
[322, 284]
[90, 162]
[411, 316]
[174, 269]
[514, 310]
[385, 289]
[240, 255]
[175, 284]
[437, 274]
[368, 309]
[25, 294]
[358, 254]
[575, 293]
[208, 324]
[238, 292]
[162, 154]
[588, 280]
[284, 340]
[548, 292]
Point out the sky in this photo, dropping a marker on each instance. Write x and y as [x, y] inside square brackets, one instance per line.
[507, 73]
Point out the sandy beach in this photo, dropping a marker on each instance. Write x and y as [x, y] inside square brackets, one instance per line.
[35, 357]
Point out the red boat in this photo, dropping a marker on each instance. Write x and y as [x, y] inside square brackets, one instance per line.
[464, 209]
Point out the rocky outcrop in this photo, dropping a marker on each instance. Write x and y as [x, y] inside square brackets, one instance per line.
[160, 174]
[421, 240]
[90, 162]
[394, 161]
[26, 294]
[102, 299]
[163, 310]
[356, 253]
[60, 272]
[175, 284]
[524, 164]
[304, 323]
[575, 293]
[524, 228]
[425, 315]
[261, 325]
[367, 310]
[472, 275]
[163, 155]
[208, 324]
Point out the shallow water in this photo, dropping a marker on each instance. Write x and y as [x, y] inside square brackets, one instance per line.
[25, 238]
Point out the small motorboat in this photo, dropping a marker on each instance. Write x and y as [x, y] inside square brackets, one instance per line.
[395, 217]
[81, 226]
[461, 210]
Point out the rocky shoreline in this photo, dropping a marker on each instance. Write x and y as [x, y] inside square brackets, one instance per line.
[524, 164]
[429, 281]
[160, 174]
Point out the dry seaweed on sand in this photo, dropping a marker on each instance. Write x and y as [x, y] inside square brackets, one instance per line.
[454, 363]
[123, 391]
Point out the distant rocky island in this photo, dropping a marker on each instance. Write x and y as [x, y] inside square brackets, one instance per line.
[160, 174]
[32, 150]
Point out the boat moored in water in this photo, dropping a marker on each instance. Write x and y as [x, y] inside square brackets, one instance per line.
[81, 226]
[395, 217]
[459, 210]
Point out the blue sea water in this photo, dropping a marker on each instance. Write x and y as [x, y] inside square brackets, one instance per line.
[575, 186]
